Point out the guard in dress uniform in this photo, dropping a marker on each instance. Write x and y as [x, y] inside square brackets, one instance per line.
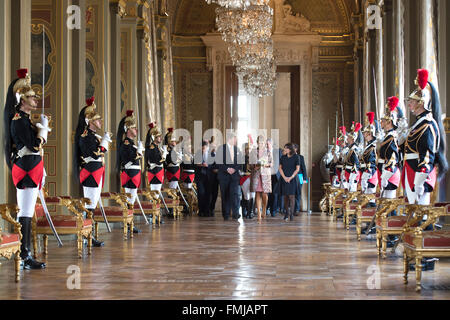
[129, 157]
[369, 177]
[332, 166]
[23, 147]
[154, 157]
[424, 148]
[187, 167]
[340, 170]
[90, 149]
[173, 160]
[388, 155]
[352, 166]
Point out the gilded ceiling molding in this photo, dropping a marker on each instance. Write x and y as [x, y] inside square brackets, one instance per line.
[119, 7]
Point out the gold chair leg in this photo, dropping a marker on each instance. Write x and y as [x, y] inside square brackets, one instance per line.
[379, 242]
[383, 245]
[90, 243]
[45, 238]
[125, 230]
[131, 229]
[405, 268]
[17, 265]
[96, 230]
[80, 245]
[418, 273]
[358, 229]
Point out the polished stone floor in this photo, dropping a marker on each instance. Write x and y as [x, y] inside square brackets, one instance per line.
[312, 257]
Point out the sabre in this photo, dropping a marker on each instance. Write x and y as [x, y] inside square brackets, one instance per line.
[142, 210]
[336, 124]
[164, 202]
[182, 196]
[105, 104]
[49, 218]
[342, 113]
[43, 68]
[328, 141]
[375, 91]
[102, 210]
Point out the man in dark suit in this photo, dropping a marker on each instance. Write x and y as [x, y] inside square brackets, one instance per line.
[212, 177]
[275, 198]
[229, 161]
[201, 179]
[303, 172]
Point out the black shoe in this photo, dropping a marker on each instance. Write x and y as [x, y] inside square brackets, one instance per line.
[30, 264]
[226, 218]
[96, 243]
[286, 219]
[427, 265]
[296, 214]
[353, 222]
[371, 205]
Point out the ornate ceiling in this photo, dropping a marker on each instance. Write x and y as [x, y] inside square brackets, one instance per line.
[328, 17]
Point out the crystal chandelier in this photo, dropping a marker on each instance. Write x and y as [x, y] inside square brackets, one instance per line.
[238, 3]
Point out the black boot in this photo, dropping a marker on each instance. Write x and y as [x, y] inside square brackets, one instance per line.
[25, 252]
[250, 209]
[427, 264]
[135, 230]
[244, 206]
[95, 243]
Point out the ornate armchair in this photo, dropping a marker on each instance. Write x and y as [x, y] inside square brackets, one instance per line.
[121, 213]
[419, 243]
[324, 202]
[73, 223]
[364, 214]
[350, 207]
[151, 207]
[336, 201]
[191, 199]
[10, 242]
[173, 202]
[393, 225]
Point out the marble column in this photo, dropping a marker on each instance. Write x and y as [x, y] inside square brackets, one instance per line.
[399, 53]
[117, 12]
[379, 70]
[20, 35]
[154, 66]
[165, 66]
[427, 40]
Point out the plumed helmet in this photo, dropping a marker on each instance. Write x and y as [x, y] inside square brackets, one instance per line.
[423, 91]
[356, 127]
[370, 124]
[393, 111]
[154, 130]
[129, 120]
[22, 87]
[90, 111]
[343, 136]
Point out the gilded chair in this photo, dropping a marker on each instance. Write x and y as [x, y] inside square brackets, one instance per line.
[364, 214]
[337, 197]
[10, 242]
[191, 198]
[65, 224]
[349, 208]
[119, 213]
[419, 243]
[324, 202]
[173, 202]
[152, 206]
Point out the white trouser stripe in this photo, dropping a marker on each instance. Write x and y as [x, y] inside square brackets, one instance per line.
[26, 200]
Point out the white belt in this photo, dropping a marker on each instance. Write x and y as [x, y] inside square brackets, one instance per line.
[90, 159]
[191, 171]
[130, 165]
[411, 156]
[154, 165]
[27, 152]
[381, 161]
[349, 167]
[363, 165]
[173, 165]
[339, 166]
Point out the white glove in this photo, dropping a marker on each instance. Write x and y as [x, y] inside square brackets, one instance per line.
[140, 148]
[352, 177]
[364, 184]
[343, 175]
[419, 180]
[164, 152]
[106, 140]
[384, 183]
[386, 175]
[43, 127]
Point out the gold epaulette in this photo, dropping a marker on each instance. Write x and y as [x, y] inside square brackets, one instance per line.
[152, 146]
[17, 116]
[126, 142]
[85, 133]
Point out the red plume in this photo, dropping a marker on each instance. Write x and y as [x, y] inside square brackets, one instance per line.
[357, 127]
[90, 101]
[22, 73]
[337, 142]
[393, 103]
[343, 130]
[371, 116]
[422, 78]
[170, 129]
[151, 125]
[250, 138]
[129, 113]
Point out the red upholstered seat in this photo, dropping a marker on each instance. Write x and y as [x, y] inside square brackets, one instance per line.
[353, 206]
[112, 211]
[394, 222]
[339, 201]
[431, 239]
[9, 239]
[368, 212]
[63, 221]
[146, 205]
[52, 200]
[171, 201]
[39, 210]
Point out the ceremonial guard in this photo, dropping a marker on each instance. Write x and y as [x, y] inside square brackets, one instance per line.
[388, 156]
[369, 177]
[340, 170]
[352, 166]
[129, 157]
[154, 157]
[188, 167]
[90, 149]
[23, 153]
[173, 160]
[332, 165]
[424, 148]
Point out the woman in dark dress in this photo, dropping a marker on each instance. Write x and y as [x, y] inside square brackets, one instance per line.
[289, 167]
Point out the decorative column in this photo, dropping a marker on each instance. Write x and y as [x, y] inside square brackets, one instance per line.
[366, 62]
[21, 35]
[427, 40]
[358, 65]
[117, 12]
[379, 62]
[166, 88]
[399, 56]
[153, 58]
